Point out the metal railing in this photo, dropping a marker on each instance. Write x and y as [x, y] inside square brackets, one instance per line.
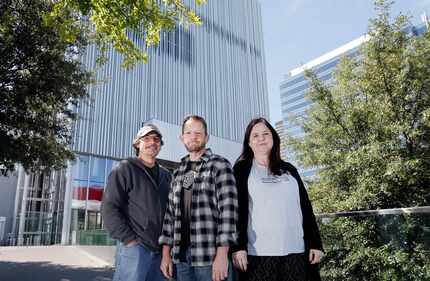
[386, 244]
[35, 238]
[396, 211]
[92, 237]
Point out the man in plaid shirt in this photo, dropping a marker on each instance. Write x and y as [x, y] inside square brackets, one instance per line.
[200, 221]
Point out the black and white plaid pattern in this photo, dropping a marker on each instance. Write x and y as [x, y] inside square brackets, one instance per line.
[214, 209]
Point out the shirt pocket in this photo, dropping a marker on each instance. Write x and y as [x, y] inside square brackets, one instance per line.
[205, 180]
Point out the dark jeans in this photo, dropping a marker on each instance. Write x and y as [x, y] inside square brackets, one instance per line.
[186, 272]
[136, 263]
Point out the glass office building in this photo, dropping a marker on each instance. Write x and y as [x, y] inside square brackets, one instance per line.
[89, 174]
[216, 71]
[293, 89]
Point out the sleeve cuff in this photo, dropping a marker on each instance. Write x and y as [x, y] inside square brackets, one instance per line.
[226, 240]
[163, 240]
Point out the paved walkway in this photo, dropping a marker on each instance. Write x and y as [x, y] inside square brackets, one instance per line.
[54, 263]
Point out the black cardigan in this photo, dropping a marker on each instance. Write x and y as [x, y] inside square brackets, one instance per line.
[311, 237]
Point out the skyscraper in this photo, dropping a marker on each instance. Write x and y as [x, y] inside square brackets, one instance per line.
[280, 129]
[293, 89]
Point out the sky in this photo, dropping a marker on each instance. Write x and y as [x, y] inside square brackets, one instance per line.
[298, 31]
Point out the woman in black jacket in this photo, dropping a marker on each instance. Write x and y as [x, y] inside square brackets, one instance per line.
[278, 234]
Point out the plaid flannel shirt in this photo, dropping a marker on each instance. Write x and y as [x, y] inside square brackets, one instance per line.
[214, 209]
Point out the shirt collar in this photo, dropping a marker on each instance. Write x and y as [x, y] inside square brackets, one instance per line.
[205, 157]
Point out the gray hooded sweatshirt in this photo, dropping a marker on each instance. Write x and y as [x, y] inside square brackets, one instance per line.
[134, 204]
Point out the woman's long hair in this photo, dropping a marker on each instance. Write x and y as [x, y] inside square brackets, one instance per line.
[275, 153]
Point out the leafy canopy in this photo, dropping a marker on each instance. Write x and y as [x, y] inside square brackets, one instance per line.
[40, 81]
[117, 22]
[369, 129]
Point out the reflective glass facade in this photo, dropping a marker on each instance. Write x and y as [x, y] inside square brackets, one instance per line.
[89, 174]
[39, 208]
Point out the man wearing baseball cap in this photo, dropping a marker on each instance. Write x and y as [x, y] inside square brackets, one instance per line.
[133, 208]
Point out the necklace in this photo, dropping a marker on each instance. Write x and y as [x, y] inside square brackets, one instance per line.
[259, 170]
[263, 174]
[264, 164]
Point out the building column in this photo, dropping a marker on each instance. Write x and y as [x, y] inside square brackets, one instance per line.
[23, 212]
[52, 204]
[65, 233]
[19, 183]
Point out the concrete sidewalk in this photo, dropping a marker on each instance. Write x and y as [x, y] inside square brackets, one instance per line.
[56, 263]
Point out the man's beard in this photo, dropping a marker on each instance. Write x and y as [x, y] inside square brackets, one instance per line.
[195, 148]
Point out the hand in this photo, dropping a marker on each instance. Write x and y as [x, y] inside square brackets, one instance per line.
[166, 265]
[220, 265]
[315, 256]
[240, 260]
[132, 243]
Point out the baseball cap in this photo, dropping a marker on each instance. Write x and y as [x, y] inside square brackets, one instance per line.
[145, 130]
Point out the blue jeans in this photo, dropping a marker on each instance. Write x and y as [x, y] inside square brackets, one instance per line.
[186, 272]
[136, 263]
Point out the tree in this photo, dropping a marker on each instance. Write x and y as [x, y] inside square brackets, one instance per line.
[369, 133]
[116, 22]
[40, 81]
[370, 130]
[40, 77]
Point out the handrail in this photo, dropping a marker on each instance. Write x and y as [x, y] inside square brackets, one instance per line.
[395, 211]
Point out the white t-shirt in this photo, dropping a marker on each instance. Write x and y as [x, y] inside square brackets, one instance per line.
[275, 222]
